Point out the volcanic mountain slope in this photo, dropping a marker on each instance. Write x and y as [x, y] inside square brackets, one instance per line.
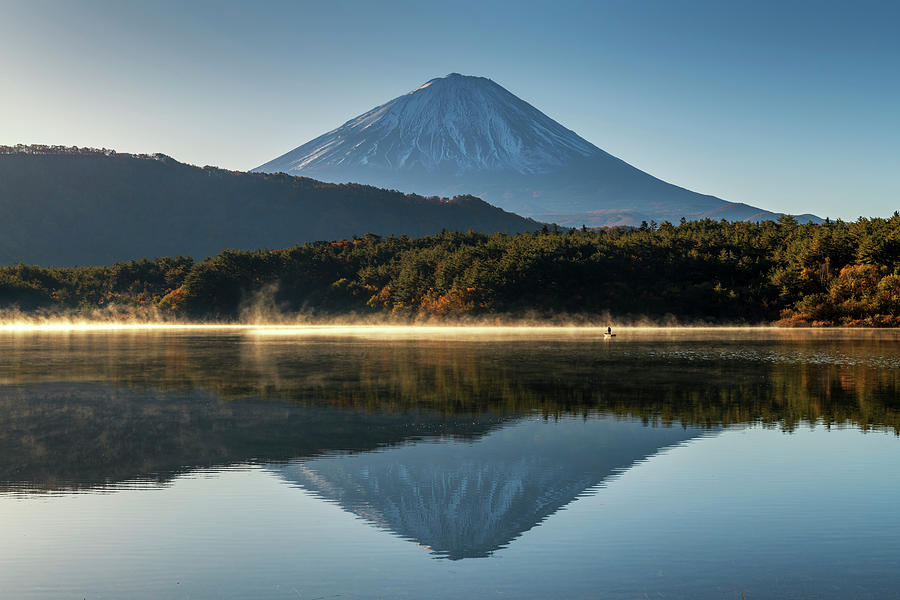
[81, 207]
[461, 134]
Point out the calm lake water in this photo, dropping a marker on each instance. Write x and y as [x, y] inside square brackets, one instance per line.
[367, 463]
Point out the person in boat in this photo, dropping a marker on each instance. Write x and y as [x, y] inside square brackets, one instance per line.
[609, 331]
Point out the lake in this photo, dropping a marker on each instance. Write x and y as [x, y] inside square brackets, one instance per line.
[367, 462]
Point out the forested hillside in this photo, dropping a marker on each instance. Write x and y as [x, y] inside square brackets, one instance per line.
[72, 206]
[832, 274]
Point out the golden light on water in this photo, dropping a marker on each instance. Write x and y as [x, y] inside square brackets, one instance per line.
[419, 330]
[87, 326]
[339, 330]
[388, 330]
[432, 331]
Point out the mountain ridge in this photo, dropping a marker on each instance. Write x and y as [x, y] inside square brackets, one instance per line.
[78, 207]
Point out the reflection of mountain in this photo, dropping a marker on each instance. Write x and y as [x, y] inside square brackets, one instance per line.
[82, 435]
[468, 498]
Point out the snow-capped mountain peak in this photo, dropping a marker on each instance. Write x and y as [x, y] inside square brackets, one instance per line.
[456, 124]
[460, 134]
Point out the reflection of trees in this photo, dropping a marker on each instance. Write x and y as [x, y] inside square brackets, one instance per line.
[115, 407]
[707, 382]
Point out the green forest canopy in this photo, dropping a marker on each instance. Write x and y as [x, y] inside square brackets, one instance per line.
[837, 273]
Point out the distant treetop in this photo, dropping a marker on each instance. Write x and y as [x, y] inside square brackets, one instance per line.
[57, 149]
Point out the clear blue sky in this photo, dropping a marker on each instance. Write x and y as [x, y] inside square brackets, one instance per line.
[791, 106]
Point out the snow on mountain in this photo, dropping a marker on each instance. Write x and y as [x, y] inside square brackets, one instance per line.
[459, 123]
[460, 134]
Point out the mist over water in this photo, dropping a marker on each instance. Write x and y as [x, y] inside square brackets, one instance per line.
[261, 309]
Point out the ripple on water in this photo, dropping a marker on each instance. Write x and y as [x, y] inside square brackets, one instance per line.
[813, 357]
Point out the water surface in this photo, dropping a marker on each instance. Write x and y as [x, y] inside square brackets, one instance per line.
[367, 463]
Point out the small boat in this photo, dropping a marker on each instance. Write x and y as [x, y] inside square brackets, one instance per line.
[608, 335]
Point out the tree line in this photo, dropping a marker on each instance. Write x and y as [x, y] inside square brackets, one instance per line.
[836, 273]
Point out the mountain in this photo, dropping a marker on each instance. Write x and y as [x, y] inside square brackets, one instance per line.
[462, 134]
[78, 207]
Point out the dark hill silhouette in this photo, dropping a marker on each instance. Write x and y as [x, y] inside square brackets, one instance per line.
[75, 207]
